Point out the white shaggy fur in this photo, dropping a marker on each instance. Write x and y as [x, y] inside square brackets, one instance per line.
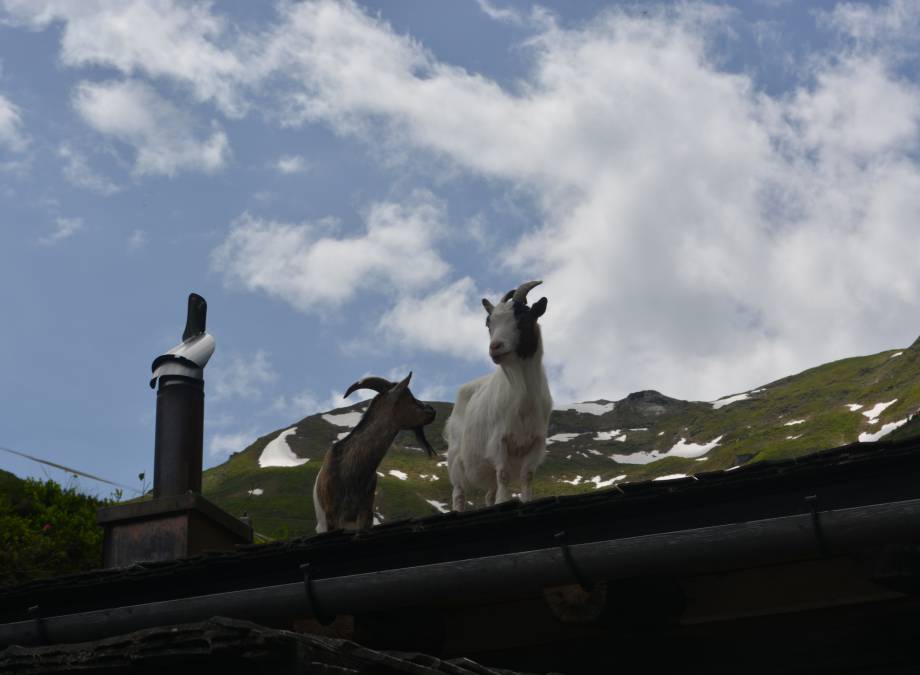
[497, 430]
[321, 523]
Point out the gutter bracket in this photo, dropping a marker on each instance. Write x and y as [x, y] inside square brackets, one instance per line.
[812, 502]
[562, 541]
[313, 606]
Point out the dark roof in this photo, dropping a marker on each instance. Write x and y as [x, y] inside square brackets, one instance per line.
[227, 645]
[854, 475]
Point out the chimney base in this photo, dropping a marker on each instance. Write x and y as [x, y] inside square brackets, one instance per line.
[167, 528]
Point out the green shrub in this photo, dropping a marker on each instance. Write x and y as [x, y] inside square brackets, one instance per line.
[46, 530]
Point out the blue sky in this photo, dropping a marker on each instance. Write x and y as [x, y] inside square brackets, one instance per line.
[715, 196]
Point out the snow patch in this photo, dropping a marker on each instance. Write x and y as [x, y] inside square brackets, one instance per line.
[866, 437]
[431, 477]
[728, 400]
[877, 410]
[574, 481]
[896, 354]
[398, 474]
[614, 435]
[680, 449]
[342, 435]
[793, 423]
[792, 438]
[671, 476]
[560, 438]
[279, 453]
[598, 483]
[442, 464]
[595, 452]
[349, 419]
[853, 406]
[589, 408]
[255, 492]
[440, 507]
[692, 450]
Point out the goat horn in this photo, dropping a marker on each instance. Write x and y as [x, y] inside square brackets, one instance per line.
[520, 295]
[377, 384]
[507, 296]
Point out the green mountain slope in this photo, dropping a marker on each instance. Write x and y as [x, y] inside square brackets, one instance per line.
[645, 436]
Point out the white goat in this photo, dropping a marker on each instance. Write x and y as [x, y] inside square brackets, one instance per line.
[497, 429]
[343, 494]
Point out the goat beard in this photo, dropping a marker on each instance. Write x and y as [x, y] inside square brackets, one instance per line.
[420, 437]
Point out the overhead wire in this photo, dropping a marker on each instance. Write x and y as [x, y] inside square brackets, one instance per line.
[68, 469]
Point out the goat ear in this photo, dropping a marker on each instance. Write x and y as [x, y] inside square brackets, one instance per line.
[402, 386]
[488, 305]
[538, 308]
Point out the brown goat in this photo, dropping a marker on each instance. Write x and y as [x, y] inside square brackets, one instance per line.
[343, 494]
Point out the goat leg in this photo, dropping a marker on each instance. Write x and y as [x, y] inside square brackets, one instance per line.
[503, 493]
[526, 485]
[365, 517]
[458, 499]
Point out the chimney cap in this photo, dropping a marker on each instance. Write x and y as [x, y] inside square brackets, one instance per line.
[189, 357]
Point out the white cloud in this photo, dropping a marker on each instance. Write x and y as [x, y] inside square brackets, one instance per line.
[336, 400]
[305, 266]
[887, 26]
[297, 406]
[137, 240]
[500, 13]
[697, 232]
[78, 172]
[450, 321]
[856, 111]
[242, 376]
[223, 444]
[64, 229]
[12, 135]
[163, 136]
[185, 42]
[437, 392]
[291, 164]
[538, 17]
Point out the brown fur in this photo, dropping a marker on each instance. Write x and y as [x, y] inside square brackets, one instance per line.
[347, 482]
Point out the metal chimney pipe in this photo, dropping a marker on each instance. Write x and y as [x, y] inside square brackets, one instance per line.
[180, 406]
[178, 521]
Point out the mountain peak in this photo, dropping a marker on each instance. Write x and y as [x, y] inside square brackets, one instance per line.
[648, 402]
